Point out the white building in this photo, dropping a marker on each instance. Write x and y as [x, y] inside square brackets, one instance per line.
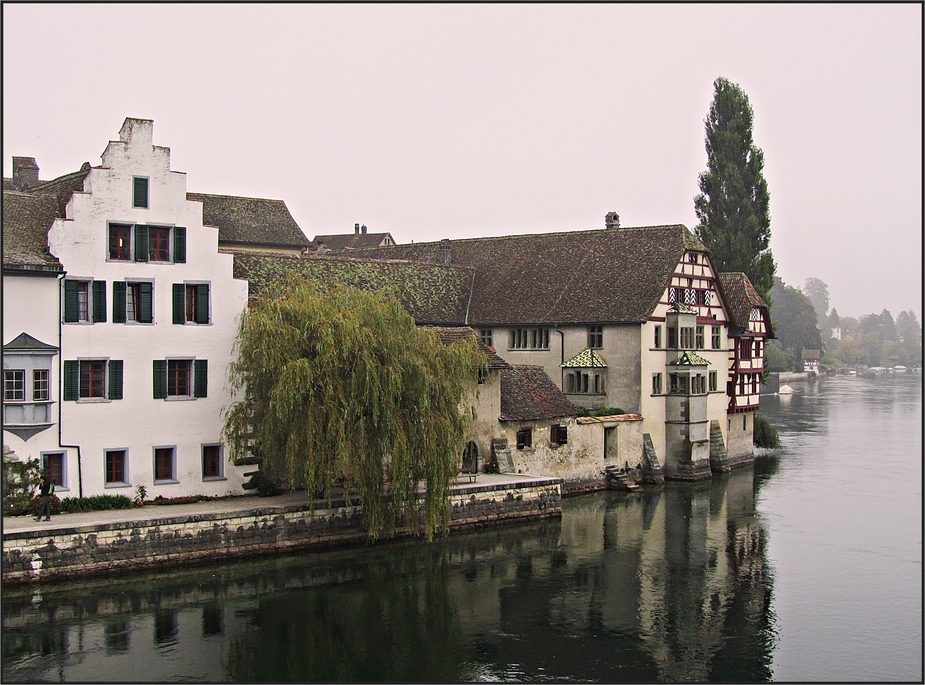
[136, 320]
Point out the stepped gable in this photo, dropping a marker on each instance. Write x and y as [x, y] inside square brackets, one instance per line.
[250, 220]
[615, 275]
[741, 297]
[528, 394]
[26, 220]
[431, 293]
[450, 335]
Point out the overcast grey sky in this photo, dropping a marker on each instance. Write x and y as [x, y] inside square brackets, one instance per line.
[434, 121]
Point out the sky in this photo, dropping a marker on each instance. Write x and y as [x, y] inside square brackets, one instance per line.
[434, 121]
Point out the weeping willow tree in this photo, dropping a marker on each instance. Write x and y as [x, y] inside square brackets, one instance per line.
[342, 386]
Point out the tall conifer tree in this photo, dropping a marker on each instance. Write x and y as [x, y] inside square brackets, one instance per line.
[733, 205]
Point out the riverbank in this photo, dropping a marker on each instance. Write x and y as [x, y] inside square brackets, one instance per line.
[95, 543]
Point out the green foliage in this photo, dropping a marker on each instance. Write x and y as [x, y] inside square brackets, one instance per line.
[766, 435]
[74, 505]
[342, 384]
[54, 505]
[141, 493]
[794, 319]
[607, 411]
[733, 206]
[20, 479]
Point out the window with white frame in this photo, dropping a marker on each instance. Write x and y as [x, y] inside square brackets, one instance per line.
[14, 385]
[40, 385]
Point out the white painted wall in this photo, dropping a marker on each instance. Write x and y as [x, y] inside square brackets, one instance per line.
[138, 422]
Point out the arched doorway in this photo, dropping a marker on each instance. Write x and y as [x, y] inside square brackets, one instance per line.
[470, 458]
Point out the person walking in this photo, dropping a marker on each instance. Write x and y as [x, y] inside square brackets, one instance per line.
[45, 490]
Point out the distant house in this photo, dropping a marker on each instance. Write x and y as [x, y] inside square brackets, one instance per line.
[359, 239]
[810, 360]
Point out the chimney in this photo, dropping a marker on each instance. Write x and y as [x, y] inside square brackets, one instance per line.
[25, 172]
[612, 220]
[363, 228]
[445, 254]
[356, 229]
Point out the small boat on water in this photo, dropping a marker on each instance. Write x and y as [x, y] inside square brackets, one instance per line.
[900, 369]
[785, 390]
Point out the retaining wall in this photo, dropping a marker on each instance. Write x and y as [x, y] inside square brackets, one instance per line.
[198, 538]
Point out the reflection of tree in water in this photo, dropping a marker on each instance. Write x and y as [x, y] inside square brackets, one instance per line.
[398, 624]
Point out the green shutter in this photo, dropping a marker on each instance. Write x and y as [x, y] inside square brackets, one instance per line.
[160, 379]
[200, 378]
[99, 301]
[179, 244]
[141, 243]
[71, 379]
[118, 301]
[202, 303]
[70, 302]
[140, 192]
[146, 309]
[179, 303]
[115, 379]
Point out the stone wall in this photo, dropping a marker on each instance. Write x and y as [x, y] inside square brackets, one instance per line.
[113, 547]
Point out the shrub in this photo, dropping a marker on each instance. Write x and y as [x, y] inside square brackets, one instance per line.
[766, 435]
[73, 505]
[608, 411]
[20, 479]
[54, 505]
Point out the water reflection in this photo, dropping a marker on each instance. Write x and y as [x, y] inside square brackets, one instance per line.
[660, 586]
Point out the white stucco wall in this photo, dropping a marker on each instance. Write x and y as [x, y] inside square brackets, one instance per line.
[138, 423]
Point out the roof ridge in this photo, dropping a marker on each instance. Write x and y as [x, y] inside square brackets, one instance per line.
[236, 197]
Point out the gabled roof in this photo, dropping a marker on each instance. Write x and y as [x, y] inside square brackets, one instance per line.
[26, 220]
[586, 359]
[528, 394]
[26, 343]
[598, 276]
[689, 359]
[62, 187]
[431, 293]
[250, 220]
[741, 297]
[450, 335]
[351, 241]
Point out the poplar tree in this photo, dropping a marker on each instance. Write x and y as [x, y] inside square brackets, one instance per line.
[733, 204]
[341, 386]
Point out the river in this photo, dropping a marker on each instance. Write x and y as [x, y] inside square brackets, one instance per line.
[806, 567]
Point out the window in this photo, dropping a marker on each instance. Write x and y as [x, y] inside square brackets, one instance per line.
[14, 386]
[678, 384]
[120, 242]
[140, 192]
[212, 462]
[690, 296]
[656, 384]
[713, 381]
[116, 465]
[692, 257]
[658, 337]
[672, 338]
[595, 337]
[672, 295]
[485, 336]
[584, 382]
[165, 464]
[86, 379]
[158, 244]
[180, 378]
[687, 338]
[698, 385]
[524, 438]
[745, 348]
[699, 342]
[39, 385]
[132, 302]
[705, 297]
[529, 339]
[191, 303]
[715, 340]
[558, 435]
[84, 301]
[53, 465]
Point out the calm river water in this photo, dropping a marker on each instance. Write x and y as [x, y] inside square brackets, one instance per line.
[806, 567]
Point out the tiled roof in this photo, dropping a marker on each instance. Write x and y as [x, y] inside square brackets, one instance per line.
[24, 341]
[598, 276]
[528, 394]
[586, 359]
[689, 359]
[351, 241]
[601, 419]
[250, 220]
[62, 187]
[431, 293]
[450, 335]
[26, 220]
[741, 297]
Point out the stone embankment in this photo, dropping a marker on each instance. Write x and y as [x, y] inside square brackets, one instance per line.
[97, 543]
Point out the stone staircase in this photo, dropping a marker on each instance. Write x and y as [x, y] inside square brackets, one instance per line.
[618, 479]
